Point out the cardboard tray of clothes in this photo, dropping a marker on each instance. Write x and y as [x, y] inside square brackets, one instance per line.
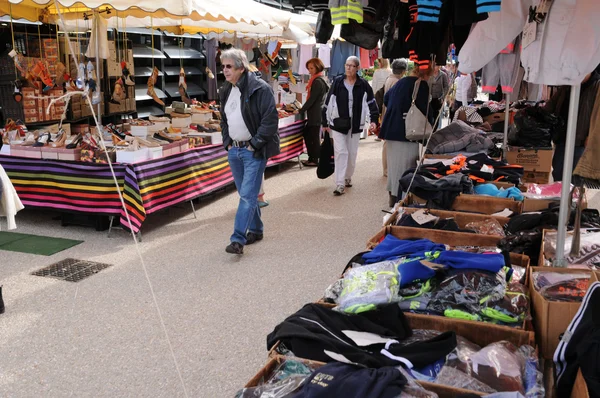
[437, 236]
[552, 318]
[461, 218]
[475, 204]
[265, 372]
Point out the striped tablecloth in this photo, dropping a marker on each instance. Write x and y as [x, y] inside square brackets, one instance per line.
[147, 186]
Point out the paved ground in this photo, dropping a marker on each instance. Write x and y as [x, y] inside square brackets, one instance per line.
[102, 337]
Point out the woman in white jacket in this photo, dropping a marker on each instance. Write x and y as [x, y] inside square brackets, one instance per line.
[463, 88]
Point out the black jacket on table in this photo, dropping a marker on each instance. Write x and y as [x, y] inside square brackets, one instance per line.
[314, 103]
[336, 104]
[259, 113]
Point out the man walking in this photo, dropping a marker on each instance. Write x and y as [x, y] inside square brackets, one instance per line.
[249, 125]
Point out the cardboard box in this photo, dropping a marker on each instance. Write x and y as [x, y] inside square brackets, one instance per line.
[551, 318]
[476, 204]
[155, 152]
[537, 204]
[49, 153]
[171, 148]
[69, 154]
[133, 156]
[537, 177]
[461, 218]
[28, 92]
[179, 122]
[26, 151]
[29, 103]
[5, 150]
[580, 389]
[539, 160]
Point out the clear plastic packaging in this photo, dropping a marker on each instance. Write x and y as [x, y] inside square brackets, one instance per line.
[497, 367]
[545, 191]
[489, 226]
[468, 291]
[286, 378]
[333, 291]
[589, 251]
[556, 286]
[369, 285]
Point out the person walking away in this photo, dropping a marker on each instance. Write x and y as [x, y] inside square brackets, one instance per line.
[559, 105]
[317, 90]
[463, 88]
[439, 88]
[399, 67]
[249, 125]
[401, 153]
[349, 100]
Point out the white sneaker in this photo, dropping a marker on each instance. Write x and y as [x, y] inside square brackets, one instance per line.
[348, 182]
[339, 190]
[80, 82]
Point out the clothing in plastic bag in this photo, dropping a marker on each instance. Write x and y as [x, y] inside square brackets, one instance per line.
[491, 226]
[332, 293]
[500, 366]
[544, 191]
[367, 286]
[535, 127]
[286, 378]
[556, 286]
[463, 294]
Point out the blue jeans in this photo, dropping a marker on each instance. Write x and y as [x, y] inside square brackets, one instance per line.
[247, 173]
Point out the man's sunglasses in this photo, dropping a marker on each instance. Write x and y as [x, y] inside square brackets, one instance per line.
[227, 66]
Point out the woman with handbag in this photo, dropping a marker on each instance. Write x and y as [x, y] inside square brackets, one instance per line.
[349, 100]
[317, 90]
[405, 118]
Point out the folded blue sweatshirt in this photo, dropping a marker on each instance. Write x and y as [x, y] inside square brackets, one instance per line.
[412, 271]
[392, 247]
[492, 262]
[492, 190]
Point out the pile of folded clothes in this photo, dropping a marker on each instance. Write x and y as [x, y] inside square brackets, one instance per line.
[459, 137]
[377, 354]
[425, 277]
[442, 181]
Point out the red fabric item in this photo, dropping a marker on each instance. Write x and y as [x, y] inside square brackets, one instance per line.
[364, 58]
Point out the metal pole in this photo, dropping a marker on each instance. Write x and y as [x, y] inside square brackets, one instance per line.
[506, 121]
[565, 210]
[98, 77]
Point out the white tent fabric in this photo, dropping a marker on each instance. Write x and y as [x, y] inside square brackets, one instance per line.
[175, 7]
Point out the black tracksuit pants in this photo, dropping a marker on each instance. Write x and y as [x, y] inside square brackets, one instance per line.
[312, 140]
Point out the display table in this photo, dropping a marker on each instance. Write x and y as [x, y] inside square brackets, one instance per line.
[147, 186]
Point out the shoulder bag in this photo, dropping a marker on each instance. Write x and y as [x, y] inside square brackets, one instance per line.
[417, 125]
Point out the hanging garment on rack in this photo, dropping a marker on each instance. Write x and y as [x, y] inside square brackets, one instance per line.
[364, 59]
[340, 52]
[211, 51]
[99, 39]
[10, 204]
[306, 53]
[368, 33]
[503, 69]
[558, 56]
[342, 11]
[325, 54]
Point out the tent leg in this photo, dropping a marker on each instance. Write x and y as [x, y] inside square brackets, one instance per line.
[506, 121]
[565, 210]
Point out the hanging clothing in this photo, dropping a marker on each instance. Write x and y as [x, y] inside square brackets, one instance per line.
[324, 54]
[503, 69]
[342, 11]
[10, 204]
[558, 56]
[211, 51]
[589, 164]
[379, 78]
[306, 53]
[340, 52]
[364, 59]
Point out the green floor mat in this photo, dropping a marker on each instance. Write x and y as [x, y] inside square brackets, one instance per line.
[34, 244]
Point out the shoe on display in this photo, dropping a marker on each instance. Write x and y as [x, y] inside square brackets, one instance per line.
[80, 81]
[17, 94]
[209, 72]
[348, 183]
[339, 190]
[235, 248]
[91, 71]
[251, 238]
[128, 81]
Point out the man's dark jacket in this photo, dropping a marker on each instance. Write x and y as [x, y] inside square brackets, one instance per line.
[259, 113]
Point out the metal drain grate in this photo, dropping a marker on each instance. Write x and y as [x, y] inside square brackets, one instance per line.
[71, 269]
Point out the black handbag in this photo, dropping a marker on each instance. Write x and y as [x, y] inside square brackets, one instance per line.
[324, 27]
[326, 161]
[342, 124]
